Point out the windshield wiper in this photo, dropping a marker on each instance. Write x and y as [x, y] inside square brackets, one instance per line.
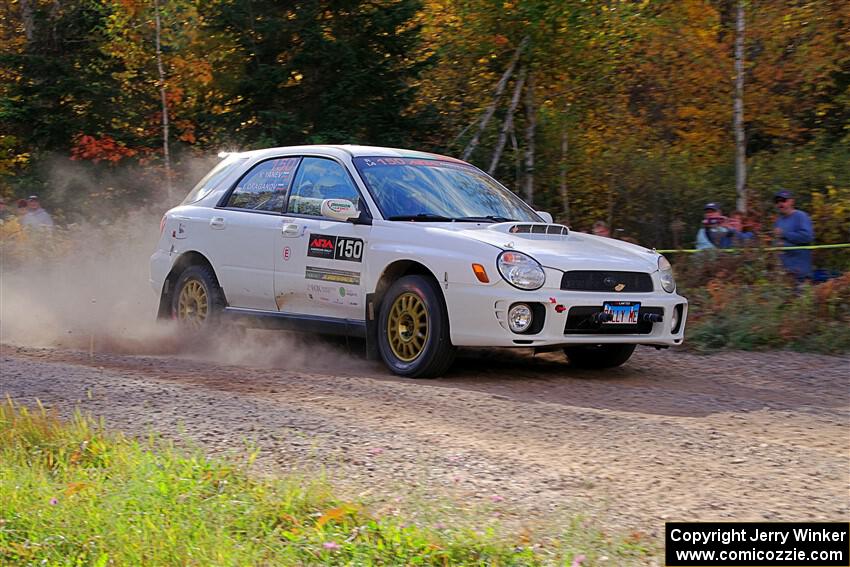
[486, 218]
[423, 217]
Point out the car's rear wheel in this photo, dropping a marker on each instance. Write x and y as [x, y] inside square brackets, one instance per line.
[599, 356]
[413, 329]
[197, 301]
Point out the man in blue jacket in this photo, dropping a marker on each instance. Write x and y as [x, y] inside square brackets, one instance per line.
[793, 228]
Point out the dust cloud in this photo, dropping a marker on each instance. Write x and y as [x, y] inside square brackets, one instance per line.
[86, 282]
[87, 287]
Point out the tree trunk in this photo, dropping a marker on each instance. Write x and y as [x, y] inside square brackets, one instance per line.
[518, 159]
[28, 20]
[530, 130]
[508, 124]
[55, 10]
[562, 177]
[166, 154]
[491, 109]
[740, 138]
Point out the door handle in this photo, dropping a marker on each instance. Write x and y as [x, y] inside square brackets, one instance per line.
[217, 223]
[291, 230]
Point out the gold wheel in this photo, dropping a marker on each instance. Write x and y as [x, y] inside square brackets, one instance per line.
[407, 327]
[193, 304]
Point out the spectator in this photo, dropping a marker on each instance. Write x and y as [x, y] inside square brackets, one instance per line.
[21, 208]
[36, 217]
[600, 228]
[713, 233]
[739, 229]
[793, 228]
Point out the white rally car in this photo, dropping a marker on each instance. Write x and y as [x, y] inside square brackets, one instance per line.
[415, 252]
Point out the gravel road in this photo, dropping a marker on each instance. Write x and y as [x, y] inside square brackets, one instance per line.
[669, 436]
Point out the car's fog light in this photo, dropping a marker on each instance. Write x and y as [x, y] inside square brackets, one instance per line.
[678, 318]
[519, 318]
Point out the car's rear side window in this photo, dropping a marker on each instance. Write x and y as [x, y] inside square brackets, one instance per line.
[264, 188]
[212, 179]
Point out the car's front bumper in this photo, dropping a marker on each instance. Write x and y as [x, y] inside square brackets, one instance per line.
[478, 317]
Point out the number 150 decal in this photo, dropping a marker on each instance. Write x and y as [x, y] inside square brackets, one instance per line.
[335, 247]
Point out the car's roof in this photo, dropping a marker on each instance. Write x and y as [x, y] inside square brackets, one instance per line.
[345, 150]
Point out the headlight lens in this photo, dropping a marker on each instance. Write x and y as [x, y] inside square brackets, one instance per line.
[521, 270]
[668, 282]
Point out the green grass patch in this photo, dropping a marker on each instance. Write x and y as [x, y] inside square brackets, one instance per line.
[74, 494]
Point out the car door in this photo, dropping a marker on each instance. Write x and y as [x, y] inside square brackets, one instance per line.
[321, 261]
[244, 232]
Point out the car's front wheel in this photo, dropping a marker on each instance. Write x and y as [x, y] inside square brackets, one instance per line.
[413, 329]
[599, 356]
[197, 301]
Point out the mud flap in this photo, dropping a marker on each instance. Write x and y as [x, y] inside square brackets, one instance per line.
[164, 311]
[371, 328]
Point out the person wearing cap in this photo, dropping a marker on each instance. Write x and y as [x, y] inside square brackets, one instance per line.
[793, 228]
[36, 217]
[713, 233]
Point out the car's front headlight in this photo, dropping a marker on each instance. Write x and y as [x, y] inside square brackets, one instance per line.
[665, 270]
[521, 270]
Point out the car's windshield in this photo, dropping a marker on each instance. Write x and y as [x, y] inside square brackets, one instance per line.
[438, 190]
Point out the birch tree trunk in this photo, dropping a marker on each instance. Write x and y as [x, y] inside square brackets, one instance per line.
[562, 175]
[530, 130]
[508, 124]
[166, 154]
[497, 96]
[740, 138]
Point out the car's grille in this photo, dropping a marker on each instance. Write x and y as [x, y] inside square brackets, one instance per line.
[588, 280]
[579, 322]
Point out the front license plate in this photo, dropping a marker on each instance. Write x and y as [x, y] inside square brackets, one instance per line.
[623, 312]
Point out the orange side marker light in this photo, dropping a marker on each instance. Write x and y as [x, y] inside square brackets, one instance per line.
[480, 273]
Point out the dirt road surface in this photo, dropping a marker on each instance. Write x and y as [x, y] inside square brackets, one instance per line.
[669, 436]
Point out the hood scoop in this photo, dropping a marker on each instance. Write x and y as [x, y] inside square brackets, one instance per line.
[532, 230]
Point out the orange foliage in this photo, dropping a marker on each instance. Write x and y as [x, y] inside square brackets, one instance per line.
[104, 148]
[719, 293]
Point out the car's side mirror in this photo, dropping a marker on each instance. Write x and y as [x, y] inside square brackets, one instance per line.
[339, 209]
[546, 216]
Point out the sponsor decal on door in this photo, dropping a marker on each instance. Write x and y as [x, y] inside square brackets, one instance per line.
[329, 275]
[333, 294]
[335, 247]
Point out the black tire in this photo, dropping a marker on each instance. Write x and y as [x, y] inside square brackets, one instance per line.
[204, 278]
[599, 356]
[438, 353]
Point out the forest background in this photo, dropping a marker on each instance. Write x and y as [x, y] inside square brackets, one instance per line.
[611, 109]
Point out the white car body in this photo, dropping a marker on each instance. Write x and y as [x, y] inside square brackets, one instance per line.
[262, 264]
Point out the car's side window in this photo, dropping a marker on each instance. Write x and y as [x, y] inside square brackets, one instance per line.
[264, 187]
[319, 179]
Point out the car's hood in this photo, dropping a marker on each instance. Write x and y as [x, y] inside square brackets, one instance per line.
[562, 249]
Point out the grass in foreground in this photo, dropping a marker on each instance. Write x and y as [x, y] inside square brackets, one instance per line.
[73, 494]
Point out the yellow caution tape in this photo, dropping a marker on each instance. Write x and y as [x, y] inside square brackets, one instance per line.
[767, 249]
